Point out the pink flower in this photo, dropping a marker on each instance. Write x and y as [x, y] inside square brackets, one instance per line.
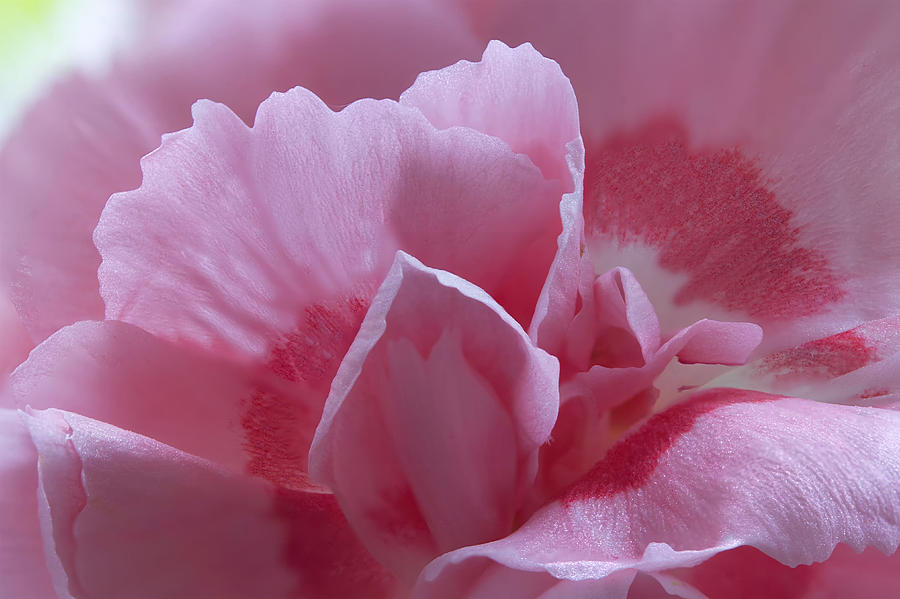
[483, 341]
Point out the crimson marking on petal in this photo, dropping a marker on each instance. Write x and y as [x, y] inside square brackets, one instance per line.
[709, 214]
[748, 573]
[874, 393]
[630, 462]
[324, 551]
[826, 358]
[312, 352]
[279, 424]
[400, 518]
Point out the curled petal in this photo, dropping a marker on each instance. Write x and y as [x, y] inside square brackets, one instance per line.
[82, 142]
[791, 477]
[535, 112]
[859, 366]
[430, 435]
[130, 517]
[250, 227]
[23, 570]
[119, 374]
[732, 153]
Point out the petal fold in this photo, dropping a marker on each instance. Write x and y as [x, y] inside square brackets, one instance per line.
[860, 366]
[737, 148]
[512, 93]
[23, 569]
[524, 99]
[131, 517]
[82, 141]
[430, 434]
[252, 226]
[119, 374]
[791, 477]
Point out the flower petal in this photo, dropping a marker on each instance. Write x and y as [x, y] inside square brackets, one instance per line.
[82, 142]
[249, 227]
[76, 147]
[119, 374]
[734, 151]
[790, 477]
[859, 366]
[131, 517]
[16, 341]
[747, 573]
[430, 434]
[23, 570]
[524, 99]
[535, 113]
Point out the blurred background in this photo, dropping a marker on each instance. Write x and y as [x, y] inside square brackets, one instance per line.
[41, 38]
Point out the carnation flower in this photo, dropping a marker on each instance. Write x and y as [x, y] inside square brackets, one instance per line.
[631, 334]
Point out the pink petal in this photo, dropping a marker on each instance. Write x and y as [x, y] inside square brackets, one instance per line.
[536, 114]
[749, 148]
[430, 434]
[617, 327]
[706, 341]
[618, 332]
[790, 477]
[16, 343]
[235, 258]
[119, 374]
[747, 573]
[859, 366]
[23, 571]
[75, 147]
[82, 142]
[131, 517]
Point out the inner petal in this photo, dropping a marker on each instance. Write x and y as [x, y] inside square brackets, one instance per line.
[709, 214]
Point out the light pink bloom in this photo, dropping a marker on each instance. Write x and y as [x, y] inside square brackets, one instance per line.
[393, 349]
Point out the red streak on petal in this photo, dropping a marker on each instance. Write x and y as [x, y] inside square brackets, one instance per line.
[630, 462]
[710, 215]
[826, 358]
[323, 550]
[279, 424]
[875, 392]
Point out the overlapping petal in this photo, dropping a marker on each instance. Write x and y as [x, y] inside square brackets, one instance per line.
[127, 516]
[614, 356]
[790, 477]
[732, 156]
[536, 113]
[430, 435]
[121, 375]
[251, 226]
[15, 342]
[83, 140]
[745, 573]
[514, 94]
[859, 366]
[23, 571]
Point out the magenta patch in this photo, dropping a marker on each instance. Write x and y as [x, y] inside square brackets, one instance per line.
[399, 518]
[823, 358]
[709, 214]
[323, 550]
[630, 462]
[748, 573]
[279, 424]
